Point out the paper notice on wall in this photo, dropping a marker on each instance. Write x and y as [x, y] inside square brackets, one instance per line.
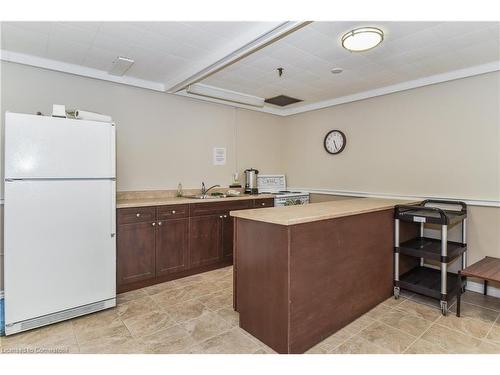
[219, 155]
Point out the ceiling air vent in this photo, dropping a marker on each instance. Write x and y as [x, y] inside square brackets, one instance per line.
[282, 100]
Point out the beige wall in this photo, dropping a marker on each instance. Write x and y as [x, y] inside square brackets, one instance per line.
[440, 140]
[483, 234]
[161, 139]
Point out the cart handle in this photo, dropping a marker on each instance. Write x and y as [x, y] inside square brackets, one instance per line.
[456, 203]
[401, 208]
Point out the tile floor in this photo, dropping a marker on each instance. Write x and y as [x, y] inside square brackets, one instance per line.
[195, 315]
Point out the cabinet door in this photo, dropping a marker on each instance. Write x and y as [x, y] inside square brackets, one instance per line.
[205, 234]
[227, 237]
[171, 246]
[135, 252]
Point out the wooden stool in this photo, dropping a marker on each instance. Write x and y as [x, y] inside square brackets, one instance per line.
[487, 269]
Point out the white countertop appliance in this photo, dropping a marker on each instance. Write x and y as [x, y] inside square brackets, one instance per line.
[276, 184]
[59, 223]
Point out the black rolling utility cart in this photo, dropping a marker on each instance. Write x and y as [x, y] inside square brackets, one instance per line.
[430, 282]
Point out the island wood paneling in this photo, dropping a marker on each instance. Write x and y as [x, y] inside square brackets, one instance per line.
[296, 285]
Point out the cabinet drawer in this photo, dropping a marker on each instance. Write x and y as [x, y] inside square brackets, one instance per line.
[135, 215]
[173, 211]
[266, 202]
[212, 208]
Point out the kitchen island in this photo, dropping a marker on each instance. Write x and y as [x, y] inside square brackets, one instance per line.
[301, 273]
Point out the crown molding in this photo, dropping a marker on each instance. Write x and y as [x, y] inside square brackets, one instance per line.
[402, 86]
[41, 62]
[44, 63]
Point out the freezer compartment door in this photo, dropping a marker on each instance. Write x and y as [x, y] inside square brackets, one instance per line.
[49, 147]
[60, 249]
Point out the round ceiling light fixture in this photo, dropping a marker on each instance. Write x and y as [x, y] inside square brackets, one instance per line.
[336, 70]
[362, 39]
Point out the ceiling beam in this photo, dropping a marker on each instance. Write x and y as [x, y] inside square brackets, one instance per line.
[254, 45]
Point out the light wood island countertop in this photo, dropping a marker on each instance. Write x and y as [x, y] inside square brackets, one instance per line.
[291, 215]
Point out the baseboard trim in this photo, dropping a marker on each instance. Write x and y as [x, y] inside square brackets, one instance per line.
[474, 286]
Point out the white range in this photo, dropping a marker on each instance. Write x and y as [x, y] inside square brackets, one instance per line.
[60, 246]
[276, 184]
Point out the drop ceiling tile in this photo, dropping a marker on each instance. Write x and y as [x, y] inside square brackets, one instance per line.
[120, 46]
[67, 33]
[335, 29]
[35, 27]
[23, 40]
[168, 52]
[448, 30]
[87, 26]
[188, 33]
[484, 52]
[73, 53]
[398, 30]
[471, 38]
[122, 32]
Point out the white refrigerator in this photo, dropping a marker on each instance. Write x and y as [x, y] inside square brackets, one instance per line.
[59, 219]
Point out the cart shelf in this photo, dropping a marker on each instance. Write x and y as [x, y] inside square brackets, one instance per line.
[427, 281]
[430, 248]
[439, 284]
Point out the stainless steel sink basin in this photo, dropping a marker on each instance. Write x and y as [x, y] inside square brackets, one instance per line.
[200, 196]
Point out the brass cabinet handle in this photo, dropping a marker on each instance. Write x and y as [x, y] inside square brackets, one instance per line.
[173, 211]
[159, 223]
[137, 214]
[153, 224]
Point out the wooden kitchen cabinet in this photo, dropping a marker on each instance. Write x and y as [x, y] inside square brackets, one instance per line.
[227, 237]
[157, 244]
[135, 252]
[171, 246]
[262, 203]
[205, 240]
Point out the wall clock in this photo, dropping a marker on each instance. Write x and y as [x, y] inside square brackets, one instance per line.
[334, 142]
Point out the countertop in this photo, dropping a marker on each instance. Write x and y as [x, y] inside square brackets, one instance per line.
[165, 201]
[290, 215]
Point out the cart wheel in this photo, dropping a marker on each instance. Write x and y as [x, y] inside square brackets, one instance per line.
[396, 292]
[444, 308]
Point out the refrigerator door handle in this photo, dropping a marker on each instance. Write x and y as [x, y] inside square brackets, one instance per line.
[113, 207]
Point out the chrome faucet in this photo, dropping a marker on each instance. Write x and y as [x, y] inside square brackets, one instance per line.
[204, 191]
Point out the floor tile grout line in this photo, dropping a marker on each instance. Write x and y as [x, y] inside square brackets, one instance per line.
[475, 304]
[413, 315]
[211, 337]
[482, 307]
[375, 320]
[358, 334]
[465, 333]
[421, 338]
[493, 326]
[74, 334]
